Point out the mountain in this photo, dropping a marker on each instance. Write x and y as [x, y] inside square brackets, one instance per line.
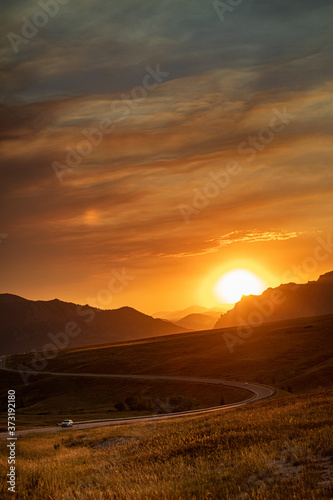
[27, 325]
[287, 301]
[177, 316]
[197, 322]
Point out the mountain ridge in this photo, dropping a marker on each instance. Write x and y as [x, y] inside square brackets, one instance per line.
[31, 325]
[180, 314]
[197, 321]
[287, 301]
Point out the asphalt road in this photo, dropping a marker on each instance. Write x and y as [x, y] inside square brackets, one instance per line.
[257, 391]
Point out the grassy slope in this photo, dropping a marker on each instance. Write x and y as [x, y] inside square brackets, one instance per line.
[278, 449]
[294, 355]
[297, 353]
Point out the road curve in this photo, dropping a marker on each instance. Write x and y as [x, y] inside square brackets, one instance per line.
[258, 392]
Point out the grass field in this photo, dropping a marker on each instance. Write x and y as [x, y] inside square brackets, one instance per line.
[295, 356]
[278, 449]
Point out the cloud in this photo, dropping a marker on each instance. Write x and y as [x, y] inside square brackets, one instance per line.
[256, 236]
[237, 237]
[94, 48]
[121, 202]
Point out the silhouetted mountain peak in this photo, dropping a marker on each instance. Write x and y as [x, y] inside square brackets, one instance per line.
[27, 324]
[328, 277]
[11, 298]
[287, 301]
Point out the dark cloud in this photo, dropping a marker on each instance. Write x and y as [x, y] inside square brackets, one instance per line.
[103, 47]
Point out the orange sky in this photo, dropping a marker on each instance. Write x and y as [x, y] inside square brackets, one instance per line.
[219, 155]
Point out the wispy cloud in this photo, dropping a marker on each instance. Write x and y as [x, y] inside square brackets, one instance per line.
[256, 236]
[237, 237]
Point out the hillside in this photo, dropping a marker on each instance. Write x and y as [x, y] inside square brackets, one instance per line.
[197, 322]
[284, 302]
[293, 354]
[278, 449]
[28, 324]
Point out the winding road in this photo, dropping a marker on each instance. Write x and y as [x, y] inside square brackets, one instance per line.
[258, 392]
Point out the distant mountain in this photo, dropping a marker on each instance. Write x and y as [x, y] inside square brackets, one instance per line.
[177, 316]
[287, 301]
[197, 322]
[26, 325]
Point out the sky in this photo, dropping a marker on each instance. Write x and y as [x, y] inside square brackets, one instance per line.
[147, 148]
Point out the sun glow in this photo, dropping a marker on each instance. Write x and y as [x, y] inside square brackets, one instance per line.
[233, 285]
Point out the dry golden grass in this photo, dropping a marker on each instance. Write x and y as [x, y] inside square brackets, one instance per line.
[279, 449]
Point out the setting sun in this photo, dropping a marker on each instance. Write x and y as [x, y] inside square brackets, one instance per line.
[233, 285]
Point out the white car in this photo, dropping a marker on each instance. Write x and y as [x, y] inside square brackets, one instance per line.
[67, 423]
